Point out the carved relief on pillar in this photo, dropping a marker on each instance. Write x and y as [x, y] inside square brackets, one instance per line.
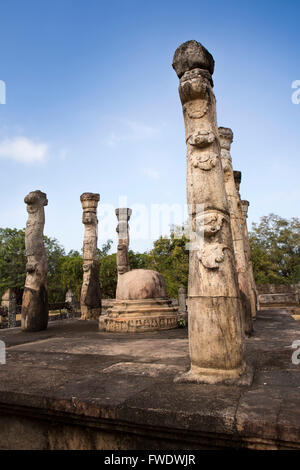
[215, 330]
[211, 251]
[90, 298]
[35, 296]
[123, 215]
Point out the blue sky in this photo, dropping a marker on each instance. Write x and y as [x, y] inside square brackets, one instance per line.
[92, 104]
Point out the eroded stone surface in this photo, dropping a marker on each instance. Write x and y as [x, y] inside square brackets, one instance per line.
[90, 299]
[237, 229]
[35, 297]
[74, 387]
[141, 300]
[9, 302]
[215, 322]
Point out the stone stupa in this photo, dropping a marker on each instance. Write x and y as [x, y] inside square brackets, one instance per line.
[141, 300]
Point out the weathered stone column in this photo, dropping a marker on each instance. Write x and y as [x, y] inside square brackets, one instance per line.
[90, 299]
[35, 297]
[9, 301]
[215, 323]
[123, 215]
[253, 293]
[182, 300]
[226, 138]
[70, 300]
[243, 219]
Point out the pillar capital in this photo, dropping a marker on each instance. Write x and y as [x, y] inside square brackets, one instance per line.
[245, 206]
[225, 137]
[89, 201]
[123, 213]
[192, 55]
[36, 199]
[237, 179]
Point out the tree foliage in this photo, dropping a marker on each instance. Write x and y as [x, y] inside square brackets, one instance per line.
[168, 256]
[275, 250]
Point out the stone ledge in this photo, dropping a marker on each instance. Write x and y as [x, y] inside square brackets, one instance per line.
[73, 387]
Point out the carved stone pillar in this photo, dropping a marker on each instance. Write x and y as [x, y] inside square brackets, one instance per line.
[182, 300]
[215, 323]
[226, 138]
[70, 300]
[9, 301]
[245, 205]
[123, 216]
[243, 219]
[90, 299]
[35, 297]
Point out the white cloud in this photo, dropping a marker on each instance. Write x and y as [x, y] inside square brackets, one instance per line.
[131, 131]
[151, 173]
[23, 150]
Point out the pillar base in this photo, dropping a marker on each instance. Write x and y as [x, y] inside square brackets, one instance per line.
[240, 376]
[132, 316]
[90, 313]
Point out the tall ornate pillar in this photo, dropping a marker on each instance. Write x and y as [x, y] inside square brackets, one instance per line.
[226, 138]
[123, 216]
[35, 297]
[245, 205]
[243, 219]
[215, 323]
[90, 299]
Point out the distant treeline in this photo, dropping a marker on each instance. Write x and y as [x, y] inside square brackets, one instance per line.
[275, 250]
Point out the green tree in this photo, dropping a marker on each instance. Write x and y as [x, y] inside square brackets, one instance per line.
[275, 250]
[70, 274]
[12, 261]
[170, 257]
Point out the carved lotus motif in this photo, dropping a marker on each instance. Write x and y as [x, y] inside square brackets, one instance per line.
[210, 223]
[201, 138]
[196, 109]
[211, 255]
[205, 160]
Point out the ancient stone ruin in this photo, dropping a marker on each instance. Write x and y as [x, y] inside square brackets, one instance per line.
[9, 303]
[90, 299]
[253, 292]
[226, 138]
[35, 297]
[214, 305]
[279, 296]
[182, 308]
[141, 299]
[70, 301]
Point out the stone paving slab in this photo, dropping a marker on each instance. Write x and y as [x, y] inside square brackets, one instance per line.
[75, 387]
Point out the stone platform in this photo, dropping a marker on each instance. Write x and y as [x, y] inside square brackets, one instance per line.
[73, 387]
[133, 316]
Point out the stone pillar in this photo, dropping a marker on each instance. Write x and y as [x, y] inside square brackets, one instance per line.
[90, 299]
[10, 302]
[70, 300]
[182, 300]
[123, 215]
[34, 315]
[253, 297]
[215, 323]
[226, 138]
